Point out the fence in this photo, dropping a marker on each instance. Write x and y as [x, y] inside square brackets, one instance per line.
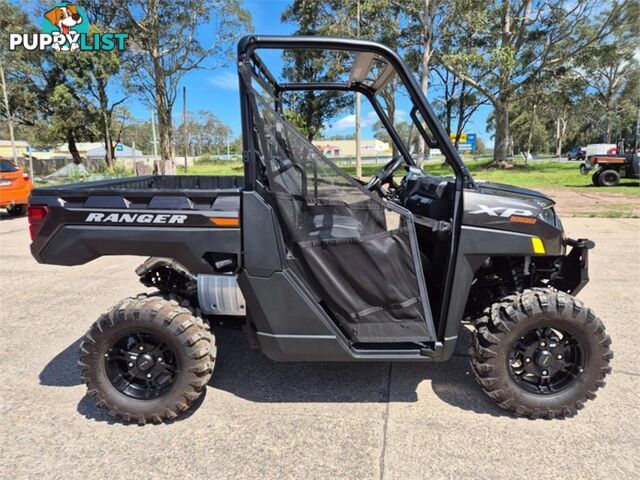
[42, 168]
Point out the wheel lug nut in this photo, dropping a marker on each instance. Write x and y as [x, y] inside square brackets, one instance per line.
[544, 372]
[140, 347]
[159, 359]
[527, 360]
[148, 375]
[559, 357]
[543, 344]
[131, 364]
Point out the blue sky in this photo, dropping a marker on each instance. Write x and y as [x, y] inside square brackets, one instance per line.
[217, 90]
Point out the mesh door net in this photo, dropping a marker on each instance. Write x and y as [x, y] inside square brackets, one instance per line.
[360, 251]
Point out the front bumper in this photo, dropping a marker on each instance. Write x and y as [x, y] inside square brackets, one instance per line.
[572, 272]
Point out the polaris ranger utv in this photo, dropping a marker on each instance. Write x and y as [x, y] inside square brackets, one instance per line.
[317, 266]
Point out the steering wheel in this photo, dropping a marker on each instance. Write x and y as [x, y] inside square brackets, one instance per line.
[385, 175]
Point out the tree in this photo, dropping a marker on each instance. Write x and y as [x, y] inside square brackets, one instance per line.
[162, 51]
[458, 104]
[424, 17]
[404, 129]
[71, 119]
[36, 83]
[95, 72]
[378, 21]
[92, 72]
[608, 68]
[207, 134]
[10, 19]
[513, 43]
[528, 128]
[311, 110]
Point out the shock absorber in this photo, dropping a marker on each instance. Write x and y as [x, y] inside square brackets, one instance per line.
[517, 273]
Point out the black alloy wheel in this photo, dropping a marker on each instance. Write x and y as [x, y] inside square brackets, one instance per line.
[141, 366]
[148, 359]
[540, 353]
[546, 361]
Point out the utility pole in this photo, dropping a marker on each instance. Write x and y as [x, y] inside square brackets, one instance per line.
[636, 142]
[153, 134]
[227, 144]
[358, 157]
[184, 125]
[9, 116]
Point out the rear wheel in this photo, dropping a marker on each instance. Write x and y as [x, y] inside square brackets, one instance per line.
[147, 360]
[609, 178]
[541, 354]
[16, 210]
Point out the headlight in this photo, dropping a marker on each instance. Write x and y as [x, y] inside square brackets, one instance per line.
[549, 215]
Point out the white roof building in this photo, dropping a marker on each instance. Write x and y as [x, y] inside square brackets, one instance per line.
[97, 150]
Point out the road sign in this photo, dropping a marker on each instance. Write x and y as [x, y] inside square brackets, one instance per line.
[466, 143]
[463, 137]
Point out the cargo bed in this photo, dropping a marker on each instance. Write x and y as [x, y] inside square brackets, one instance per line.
[193, 219]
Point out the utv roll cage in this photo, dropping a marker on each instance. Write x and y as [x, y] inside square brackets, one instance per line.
[367, 51]
[251, 66]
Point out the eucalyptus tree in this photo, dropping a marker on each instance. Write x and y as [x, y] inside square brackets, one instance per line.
[170, 38]
[513, 43]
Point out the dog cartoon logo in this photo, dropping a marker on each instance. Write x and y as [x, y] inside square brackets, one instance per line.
[65, 27]
[66, 20]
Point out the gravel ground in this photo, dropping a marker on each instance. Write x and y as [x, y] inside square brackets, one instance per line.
[594, 202]
[261, 419]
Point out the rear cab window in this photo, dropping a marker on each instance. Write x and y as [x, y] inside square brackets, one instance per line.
[7, 166]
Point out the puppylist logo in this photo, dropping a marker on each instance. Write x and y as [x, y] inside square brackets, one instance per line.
[65, 27]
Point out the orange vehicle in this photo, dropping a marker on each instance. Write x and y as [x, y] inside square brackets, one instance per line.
[15, 188]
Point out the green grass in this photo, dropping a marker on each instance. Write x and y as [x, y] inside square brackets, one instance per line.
[540, 174]
[213, 168]
[623, 210]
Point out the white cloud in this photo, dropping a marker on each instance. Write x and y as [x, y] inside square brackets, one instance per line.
[344, 123]
[225, 81]
[349, 122]
[401, 115]
[369, 119]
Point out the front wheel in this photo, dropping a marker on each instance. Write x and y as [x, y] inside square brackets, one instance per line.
[609, 178]
[147, 360]
[541, 353]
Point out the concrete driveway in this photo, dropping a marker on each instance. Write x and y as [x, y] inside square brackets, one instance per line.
[261, 419]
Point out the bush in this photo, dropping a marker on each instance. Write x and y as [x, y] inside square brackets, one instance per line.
[116, 171]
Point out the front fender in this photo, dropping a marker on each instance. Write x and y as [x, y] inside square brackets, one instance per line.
[476, 245]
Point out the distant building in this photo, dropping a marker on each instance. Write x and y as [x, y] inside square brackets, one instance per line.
[6, 149]
[121, 151]
[97, 150]
[329, 150]
[347, 148]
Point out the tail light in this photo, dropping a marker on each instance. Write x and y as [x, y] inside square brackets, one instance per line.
[37, 215]
[26, 177]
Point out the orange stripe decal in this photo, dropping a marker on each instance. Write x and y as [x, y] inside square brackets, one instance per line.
[225, 221]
